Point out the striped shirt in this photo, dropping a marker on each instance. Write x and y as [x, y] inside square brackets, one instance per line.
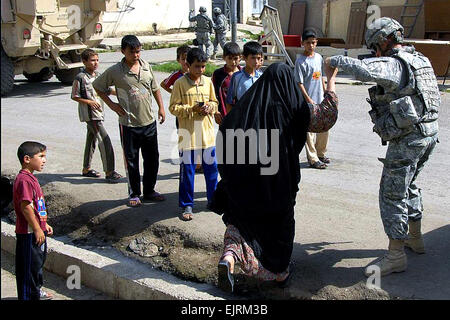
[82, 88]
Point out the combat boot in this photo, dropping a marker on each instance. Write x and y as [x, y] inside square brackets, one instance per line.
[415, 241]
[393, 261]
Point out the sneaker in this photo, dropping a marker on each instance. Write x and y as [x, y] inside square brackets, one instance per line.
[43, 295]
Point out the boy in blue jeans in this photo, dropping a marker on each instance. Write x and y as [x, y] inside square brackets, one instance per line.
[194, 103]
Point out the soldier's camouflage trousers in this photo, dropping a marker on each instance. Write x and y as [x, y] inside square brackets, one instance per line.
[219, 39]
[203, 39]
[400, 198]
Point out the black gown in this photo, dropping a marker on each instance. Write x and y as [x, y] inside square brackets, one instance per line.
[262, 206]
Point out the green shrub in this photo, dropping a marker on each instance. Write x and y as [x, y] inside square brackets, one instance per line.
[251, 35]
[173, 66]
[155, 45]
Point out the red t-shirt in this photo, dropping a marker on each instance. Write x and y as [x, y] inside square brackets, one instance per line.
[27, 188]
[221, 80]
[172, 78]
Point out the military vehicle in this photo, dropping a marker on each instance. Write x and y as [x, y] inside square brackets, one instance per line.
[42, 38]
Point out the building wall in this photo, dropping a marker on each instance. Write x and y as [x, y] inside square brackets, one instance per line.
[313, 17]
[339, 15]
[167, 14]
[246, 10]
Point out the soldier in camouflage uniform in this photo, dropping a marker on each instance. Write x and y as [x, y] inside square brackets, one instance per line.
[220, 28]
[203, 29]
[405, 105]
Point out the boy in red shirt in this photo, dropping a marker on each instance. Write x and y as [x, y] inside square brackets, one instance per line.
[31, 223]
[221, 77]
[167, 83]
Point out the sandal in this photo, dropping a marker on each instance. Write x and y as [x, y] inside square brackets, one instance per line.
[155, 196]
[91, 173]
[186, 215]
[113, 177]
[318, 165]
[44, 295]
[134, 202]
[225, 278]
[325, 159]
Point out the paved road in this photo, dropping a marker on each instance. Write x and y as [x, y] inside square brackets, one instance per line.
[338, 229]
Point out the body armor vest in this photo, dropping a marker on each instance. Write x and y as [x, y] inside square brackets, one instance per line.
[221, 23]
[414, 106]
[204, 23]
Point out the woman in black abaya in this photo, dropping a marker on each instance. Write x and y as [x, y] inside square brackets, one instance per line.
[257, 198]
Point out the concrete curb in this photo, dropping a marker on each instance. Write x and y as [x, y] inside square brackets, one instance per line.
[109, 271]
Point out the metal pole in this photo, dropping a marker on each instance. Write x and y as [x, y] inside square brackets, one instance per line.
[233, 20]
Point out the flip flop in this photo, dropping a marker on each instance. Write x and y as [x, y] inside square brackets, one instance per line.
[225, 278]
[92, 174]
[136, 200]
[186, 214]
[318, 165]
[113, 177]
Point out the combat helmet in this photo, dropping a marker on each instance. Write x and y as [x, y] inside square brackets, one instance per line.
[378, 31]
[217, 10]
[202, 9]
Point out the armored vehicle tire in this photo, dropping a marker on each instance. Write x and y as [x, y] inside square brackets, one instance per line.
[43, 75]
[7, 73]
[66, 76]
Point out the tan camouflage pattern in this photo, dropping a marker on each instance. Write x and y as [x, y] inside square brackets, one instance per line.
[405, 106]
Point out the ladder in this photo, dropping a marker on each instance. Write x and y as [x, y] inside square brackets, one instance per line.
[415, 6]
[273, 36]
[272, 57]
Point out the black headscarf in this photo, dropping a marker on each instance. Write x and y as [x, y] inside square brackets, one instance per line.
[262, 206]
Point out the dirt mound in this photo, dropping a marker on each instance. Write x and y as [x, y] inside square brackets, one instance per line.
[169, 248]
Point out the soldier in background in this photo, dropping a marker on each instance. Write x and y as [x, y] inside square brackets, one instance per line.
[203, 29]
[405, 106]
[220, 28]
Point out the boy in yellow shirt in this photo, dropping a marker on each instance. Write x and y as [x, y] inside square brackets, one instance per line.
[194, 103]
